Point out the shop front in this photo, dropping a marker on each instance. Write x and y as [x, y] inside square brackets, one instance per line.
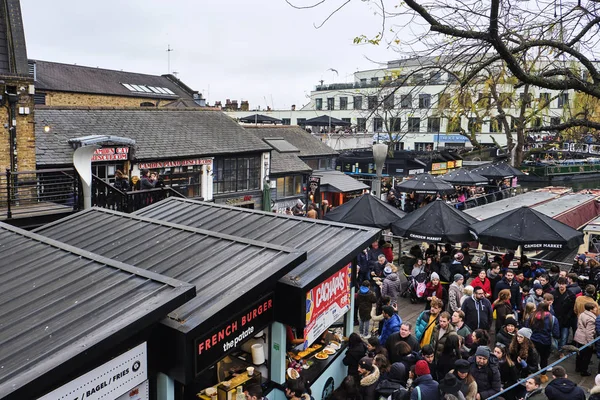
[190, 177]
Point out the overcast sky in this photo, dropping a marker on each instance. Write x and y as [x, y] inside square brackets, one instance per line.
[263, 51]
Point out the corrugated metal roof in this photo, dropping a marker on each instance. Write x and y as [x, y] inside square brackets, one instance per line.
[326, 242]
[527, 199]
[223, 267]
[564, 203]
[58, 302]
[339, 182]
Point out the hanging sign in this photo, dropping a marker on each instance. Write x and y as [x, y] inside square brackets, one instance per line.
[110, 154]
[326, 303]
[175, 163]
[109, 381]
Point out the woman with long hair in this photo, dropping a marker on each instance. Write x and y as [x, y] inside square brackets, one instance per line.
[523, 353]
[357, 349]
[528, 311]
[449, 355]
[348, 390]
[502, 307]
[545, 327]
[480, 338]
[383, 364]
[508, 371]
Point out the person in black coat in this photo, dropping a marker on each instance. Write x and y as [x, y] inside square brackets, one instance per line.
[369, 377]
[509, 282]
[478, 310]
[561, 388]
[357, 349]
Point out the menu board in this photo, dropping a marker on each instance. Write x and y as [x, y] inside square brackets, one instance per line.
[326, 303]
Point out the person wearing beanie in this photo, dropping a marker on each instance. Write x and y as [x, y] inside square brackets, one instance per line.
[588, 296]
[468, 386]
[458, 266]
[595, 391]
[395, 382]
[365, 299]
[478, 310]
[424, 387]
[579, 266]
[484, 369]
[434, 287]
[391, 284]
[369, 376]
[561, 388]
[522, 352]
[508, 331]
[536, 294]
[455, 292]
[391, 324]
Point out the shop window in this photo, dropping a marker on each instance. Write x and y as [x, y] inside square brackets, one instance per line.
[357, 100]
[236, 174]
[185, 180]
[343, 103]
[289, 186]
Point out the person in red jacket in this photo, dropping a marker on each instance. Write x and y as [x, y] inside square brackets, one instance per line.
[483, 281]
[388, 251]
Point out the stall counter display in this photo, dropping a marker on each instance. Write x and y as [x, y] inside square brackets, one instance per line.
[227, 392]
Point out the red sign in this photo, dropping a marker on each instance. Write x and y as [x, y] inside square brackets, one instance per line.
[110, 154]
[326, 303]
[175, 163]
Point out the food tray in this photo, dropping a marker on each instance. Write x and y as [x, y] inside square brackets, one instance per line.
[305, 353]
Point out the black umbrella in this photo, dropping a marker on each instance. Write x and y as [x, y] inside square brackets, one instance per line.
[464, 177]
[509, 168]
[260, 119]
[436, 222]
[366, 210]
[325, 120]
[493, 172]
[528, 228]
[427, 184]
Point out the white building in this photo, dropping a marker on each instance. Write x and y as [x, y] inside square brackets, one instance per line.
[413, 110]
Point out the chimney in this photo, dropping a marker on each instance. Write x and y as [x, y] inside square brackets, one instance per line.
[245, 106]
[293, 107]
[234, 105]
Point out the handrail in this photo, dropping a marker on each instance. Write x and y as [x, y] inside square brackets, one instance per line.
[543, 370]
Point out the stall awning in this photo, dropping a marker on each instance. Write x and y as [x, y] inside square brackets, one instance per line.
[63, 307]
[338, 182]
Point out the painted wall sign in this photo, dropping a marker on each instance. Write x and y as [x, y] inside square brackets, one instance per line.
[450, 138]
[326, 303]
[109, 381]
[219, 342]
[175, 163]
[110, 154]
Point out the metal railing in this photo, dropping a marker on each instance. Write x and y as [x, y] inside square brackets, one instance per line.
[26, 194]
[488, 198]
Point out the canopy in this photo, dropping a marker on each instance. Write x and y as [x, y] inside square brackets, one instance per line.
[436, 222]
[366, 210]
[465, 177]
[509, 168]
[425, 183]
[526, 227]
[260, 119]
[324, 120]
[492, 171]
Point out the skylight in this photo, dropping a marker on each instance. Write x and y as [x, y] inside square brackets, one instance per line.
[148, 89]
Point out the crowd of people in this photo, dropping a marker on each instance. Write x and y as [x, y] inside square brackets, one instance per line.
[484, 327]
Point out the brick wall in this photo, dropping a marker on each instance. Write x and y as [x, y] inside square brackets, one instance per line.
[97, 100]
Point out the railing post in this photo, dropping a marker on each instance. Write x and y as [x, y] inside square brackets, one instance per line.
[8, 193]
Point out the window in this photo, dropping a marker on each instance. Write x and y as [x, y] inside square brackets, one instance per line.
[433, 124]
[40, 99]
[452, 78]
[357, 102]
[236, 174]
[374, 80]
[414, 124]
[435, 78]
[395, 124]
[454, 125]
[417, 78]
[343, 103]
[495, 125]
[424, 100]
[388, 102]
[319, 104]
[147, 104]
[474, 125]
[563, 100]
[526, 99]
[361, 124]
[554, 121]
[372, 102]
[537, 122]
[348, 120]
[286, 121]
[300, 121]
[406, 101]
[443, 100]
[544, 99]
[289, 186]
[377, 125]
[363, 81]
[330, 103]
[423, 146]
[465, 100]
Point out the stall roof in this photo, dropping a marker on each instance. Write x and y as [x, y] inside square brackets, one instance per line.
[339, 182]
[327, 243]
[573, 209]
[223, 267]
[528, 199]
[60, 305]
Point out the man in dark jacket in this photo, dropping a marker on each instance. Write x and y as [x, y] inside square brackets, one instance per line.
[404, 335]
[369, 376]
[484, 369]
[478, 310]
[508, 282]
[424, 387]
[564, 301]
[392, 324]
[562, 388]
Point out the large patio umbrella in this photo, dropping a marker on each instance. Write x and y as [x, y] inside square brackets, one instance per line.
[260, 119]
[465, 177]
[509, 168]
[366, 210]
[325, 120]
[491, 171]
[436, 222]
[427, 184]
[526, 227]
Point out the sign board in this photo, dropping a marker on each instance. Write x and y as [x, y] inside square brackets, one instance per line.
[229, 336]
[416, 171]
[109, 381]
[314, 189]
[110, 154]
[458, 163]
[175, 163]
[140, 392]
[450, 138]
[326, 303]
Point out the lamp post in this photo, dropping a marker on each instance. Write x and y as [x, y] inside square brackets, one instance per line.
[379, 155]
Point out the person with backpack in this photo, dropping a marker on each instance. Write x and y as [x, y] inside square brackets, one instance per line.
[544, 327]
[424, 387]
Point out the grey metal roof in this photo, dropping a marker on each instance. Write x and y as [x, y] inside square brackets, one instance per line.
[53, 76]
[564, 203]
[339, 182]
[159, 133]
[308, 145]
[526, 199]
[326, 242]
[223, 267]
[287, 163]
[13, 51]
[282, 145]
[58, 303]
